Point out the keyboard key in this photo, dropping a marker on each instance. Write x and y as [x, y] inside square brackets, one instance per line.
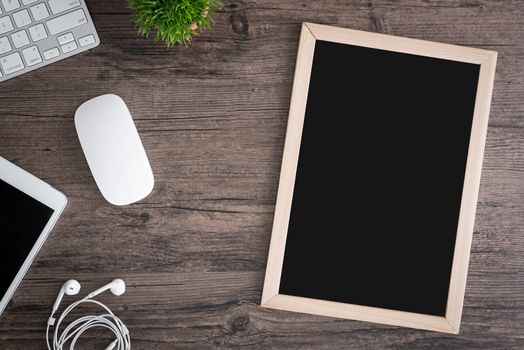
[58, 6]
[39, 12]
[12, 63]
[5, 46]
[10, 5]
[21, 18]
[86, 40]
[52, 53]
[27, 2]
[37, 32]
[64, 39]
[32, 56]
[69, 47]
[6, 25]
[66, 22]
[20, 38]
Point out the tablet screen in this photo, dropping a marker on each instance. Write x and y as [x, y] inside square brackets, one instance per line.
[22, 220]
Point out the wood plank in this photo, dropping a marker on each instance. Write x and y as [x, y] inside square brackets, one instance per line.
[213, 119]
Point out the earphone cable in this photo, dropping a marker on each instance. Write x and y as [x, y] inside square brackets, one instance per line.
[75, 329]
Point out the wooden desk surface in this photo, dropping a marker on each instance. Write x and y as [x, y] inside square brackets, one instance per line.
[212, 119]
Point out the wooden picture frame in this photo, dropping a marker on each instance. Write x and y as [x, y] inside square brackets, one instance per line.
[487, 61]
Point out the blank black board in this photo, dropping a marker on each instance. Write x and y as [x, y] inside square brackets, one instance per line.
[379, 180]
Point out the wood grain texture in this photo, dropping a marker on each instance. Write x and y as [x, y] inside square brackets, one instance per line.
[212, 119]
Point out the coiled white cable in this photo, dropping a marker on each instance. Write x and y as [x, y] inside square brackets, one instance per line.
[75, 329]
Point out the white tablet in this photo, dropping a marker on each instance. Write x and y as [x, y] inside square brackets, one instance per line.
[29, 208]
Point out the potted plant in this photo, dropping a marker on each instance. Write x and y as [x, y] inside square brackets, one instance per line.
[174, 21]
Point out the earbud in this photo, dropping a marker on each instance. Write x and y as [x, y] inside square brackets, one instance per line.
[71, 287]
[107, 319]
[117, 287]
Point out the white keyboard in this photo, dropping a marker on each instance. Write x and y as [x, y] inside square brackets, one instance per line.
[35, 33]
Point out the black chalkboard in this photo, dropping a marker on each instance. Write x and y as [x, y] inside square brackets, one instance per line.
[379, 181]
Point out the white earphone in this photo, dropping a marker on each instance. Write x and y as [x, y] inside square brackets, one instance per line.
[107, 320]
[117, 287]
[71, 287]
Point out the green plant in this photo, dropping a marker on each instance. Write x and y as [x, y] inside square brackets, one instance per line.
[175, 21]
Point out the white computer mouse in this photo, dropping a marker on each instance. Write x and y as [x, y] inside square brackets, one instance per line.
[113, 150]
